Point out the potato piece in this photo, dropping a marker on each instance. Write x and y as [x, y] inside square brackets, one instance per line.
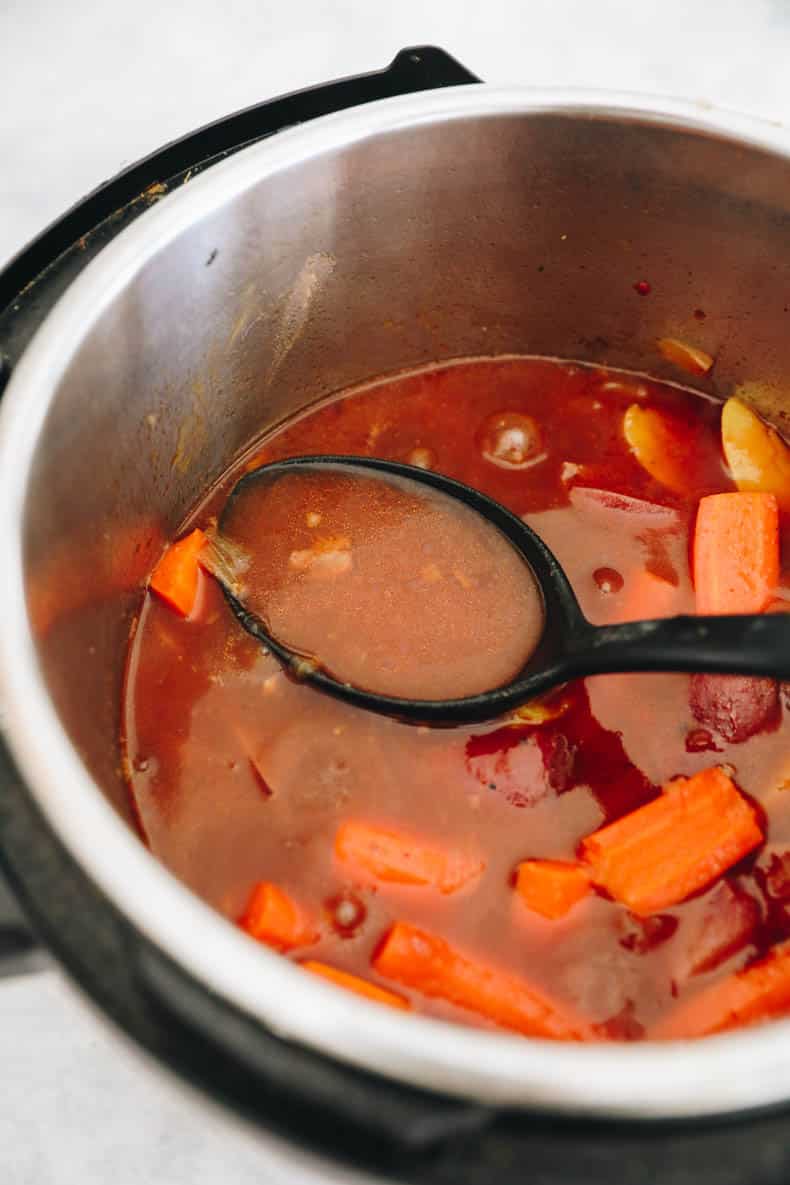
[658, 446]
[686, 357]
[756, 454]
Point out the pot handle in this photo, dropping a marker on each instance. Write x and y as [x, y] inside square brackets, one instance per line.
[19, 949]
[68, 244]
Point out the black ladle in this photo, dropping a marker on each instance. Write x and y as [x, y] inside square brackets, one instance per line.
[570, 646]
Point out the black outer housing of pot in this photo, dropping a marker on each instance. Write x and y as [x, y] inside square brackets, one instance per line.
[359, 1119]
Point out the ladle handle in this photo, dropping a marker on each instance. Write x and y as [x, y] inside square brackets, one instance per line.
[737, 645]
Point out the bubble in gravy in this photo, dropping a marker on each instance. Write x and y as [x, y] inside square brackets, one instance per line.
[511, 440]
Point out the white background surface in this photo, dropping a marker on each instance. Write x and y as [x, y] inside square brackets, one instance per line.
[89, 86]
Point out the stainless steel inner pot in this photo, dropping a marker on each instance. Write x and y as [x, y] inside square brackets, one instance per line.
[464, 222]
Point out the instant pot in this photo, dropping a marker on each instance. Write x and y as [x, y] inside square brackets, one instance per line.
[204, 295]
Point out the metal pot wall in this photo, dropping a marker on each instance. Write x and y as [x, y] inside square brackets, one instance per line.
[469, 221]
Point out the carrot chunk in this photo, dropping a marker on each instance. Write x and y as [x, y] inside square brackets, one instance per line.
[551, 887]
[759, 992]
[273, 917]
[176, 577]
[646, 596]
[353, 983]
[661, 853]
[736, 552]
[430, 965]
[395, 858]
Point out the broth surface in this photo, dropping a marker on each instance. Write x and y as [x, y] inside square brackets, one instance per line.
[240, 775]
[386, 584]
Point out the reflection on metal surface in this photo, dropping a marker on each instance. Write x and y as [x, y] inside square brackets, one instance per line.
[312, 277]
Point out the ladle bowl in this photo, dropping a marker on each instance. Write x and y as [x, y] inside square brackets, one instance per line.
[570, 646]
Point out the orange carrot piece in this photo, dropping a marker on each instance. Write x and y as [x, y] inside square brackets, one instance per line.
[647, 596]
[661, 853]
[176, 577]
[758, 993]
[551, 887]
[431, 966]
[395, 858]
[736, 552]
[353, 983]
[273, 917]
